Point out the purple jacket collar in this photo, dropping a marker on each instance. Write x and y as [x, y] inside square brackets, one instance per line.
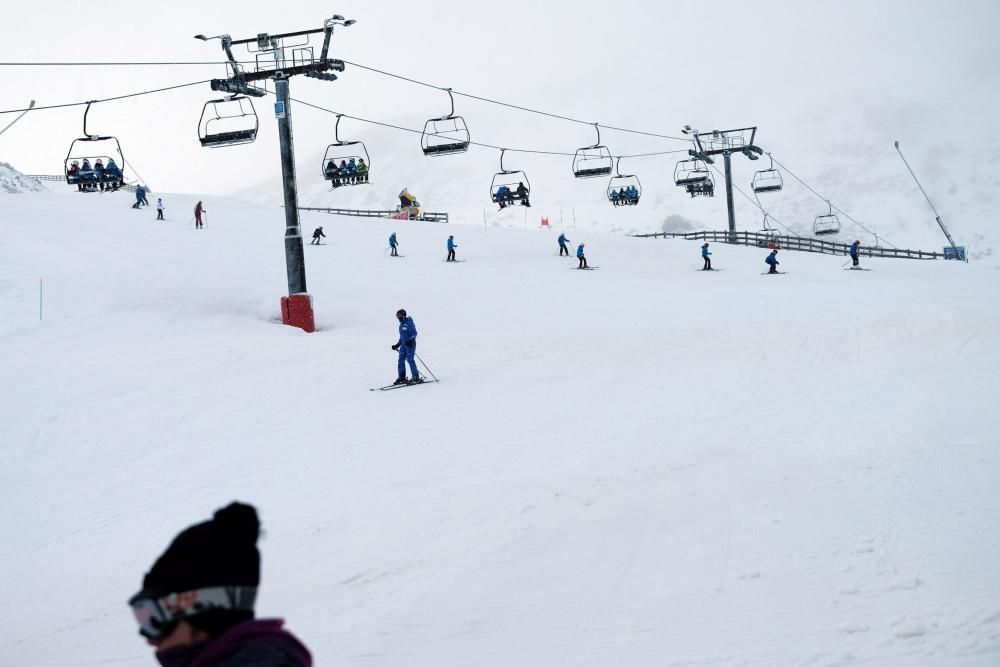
[262, 632]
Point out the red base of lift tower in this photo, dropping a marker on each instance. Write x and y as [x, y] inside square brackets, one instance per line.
[297, 311]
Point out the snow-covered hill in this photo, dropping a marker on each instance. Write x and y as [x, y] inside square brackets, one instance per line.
[13, 181]
[869, 182]
[644, 464]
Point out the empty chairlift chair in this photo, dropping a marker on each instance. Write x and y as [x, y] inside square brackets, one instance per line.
[623, 189]
[346, 162]
[94, 162]
[826, 224]
[229, 121]
[509, 186]
[695, 178]
[591, 161]
[446, 135]
[767, 180]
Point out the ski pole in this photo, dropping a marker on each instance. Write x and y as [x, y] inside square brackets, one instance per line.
[429, 371]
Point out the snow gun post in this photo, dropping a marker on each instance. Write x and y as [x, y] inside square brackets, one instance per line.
[278, 58]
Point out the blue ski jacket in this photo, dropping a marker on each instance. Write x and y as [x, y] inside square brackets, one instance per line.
[563, 240]
[771, 259]
[854, 249]
[392, 239]
[579, 250]
[704, 251]
[451, 244]
[407, 333]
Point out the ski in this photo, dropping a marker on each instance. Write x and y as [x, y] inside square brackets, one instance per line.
[453, 261]
[856, 268]
[390, 387]
[584, 268]
[776, 273]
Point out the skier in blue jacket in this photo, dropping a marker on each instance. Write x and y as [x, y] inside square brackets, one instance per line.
[705, 255]
[407, 348]
[581, 257]
[451, 249]
[563, 250]
[393, 244]
[772, 261]
[854, 253]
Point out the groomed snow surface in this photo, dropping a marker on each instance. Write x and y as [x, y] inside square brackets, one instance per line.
[644, 464]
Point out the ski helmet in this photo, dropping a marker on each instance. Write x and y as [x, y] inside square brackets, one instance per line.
[401, 312]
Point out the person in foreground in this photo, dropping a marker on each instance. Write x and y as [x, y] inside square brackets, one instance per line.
[196, 606]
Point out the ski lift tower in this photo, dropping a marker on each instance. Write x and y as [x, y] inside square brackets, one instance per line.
[725, 143]
[279, 58]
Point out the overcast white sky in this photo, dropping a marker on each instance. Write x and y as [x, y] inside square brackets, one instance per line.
[834, 74]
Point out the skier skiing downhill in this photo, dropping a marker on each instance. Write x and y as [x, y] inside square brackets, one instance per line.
[563, 250]
[317, 235]
[772, 261]
[451, 249]
[705, 255]
[392, 245]
[854, 253]
[580, 256]
[407, 348]
[159, 208]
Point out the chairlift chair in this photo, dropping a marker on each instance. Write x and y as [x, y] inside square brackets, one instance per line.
[94, 148]
[344, 153]
[229, 121]
[767, 180]
[591, 161]
[826, 224]
[446, 135]
[621, 183]
[695, 178]
[769, 234]
[510, 179]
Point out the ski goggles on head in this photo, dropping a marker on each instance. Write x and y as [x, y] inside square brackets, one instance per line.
[158, 616]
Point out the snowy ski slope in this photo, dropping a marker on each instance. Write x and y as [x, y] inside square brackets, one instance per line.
[640, 465]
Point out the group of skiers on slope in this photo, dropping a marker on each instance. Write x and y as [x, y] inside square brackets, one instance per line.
[141, 200]
[564, 250]
[350, 172]
[505, 196]
[89, 178]
[772, 259]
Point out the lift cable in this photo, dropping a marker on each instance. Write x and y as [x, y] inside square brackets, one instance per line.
[834, 206]
[471, 143]
[110, 99]
[358, 65]
[514, 106]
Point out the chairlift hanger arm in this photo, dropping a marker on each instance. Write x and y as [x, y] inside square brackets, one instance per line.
[701, 155]
[30, 107]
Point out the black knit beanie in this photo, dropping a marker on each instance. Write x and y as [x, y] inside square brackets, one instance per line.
[219, 552]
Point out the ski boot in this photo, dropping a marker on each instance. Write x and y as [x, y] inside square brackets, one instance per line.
[415, 380]
[400, 380]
